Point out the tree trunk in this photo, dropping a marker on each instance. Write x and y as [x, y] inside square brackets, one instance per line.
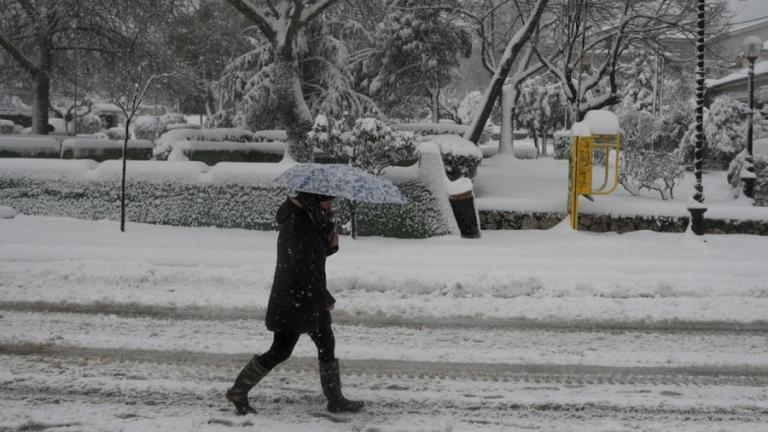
[505, 65]
[543, 134]
[435, 97]
[293, 109]
[42, 96]
[41, 102]
[122, 187]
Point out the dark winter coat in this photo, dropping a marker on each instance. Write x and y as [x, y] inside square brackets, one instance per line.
[299, 300]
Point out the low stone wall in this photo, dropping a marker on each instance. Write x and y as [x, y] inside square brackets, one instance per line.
[497, 220]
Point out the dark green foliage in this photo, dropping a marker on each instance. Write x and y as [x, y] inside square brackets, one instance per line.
[224, 205]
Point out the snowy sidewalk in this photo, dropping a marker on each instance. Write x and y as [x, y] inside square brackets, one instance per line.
[555, 276]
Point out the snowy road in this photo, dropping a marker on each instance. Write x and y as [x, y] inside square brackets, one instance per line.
[517, 331]
[90, 371]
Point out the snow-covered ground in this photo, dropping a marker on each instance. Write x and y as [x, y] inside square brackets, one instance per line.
[506, 183]
[555, 275]
[519, 330]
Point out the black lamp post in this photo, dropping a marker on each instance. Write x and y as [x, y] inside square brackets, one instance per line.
[696, 205]
[752, 47]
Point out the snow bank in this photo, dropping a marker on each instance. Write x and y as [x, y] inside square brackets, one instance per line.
[7, 212]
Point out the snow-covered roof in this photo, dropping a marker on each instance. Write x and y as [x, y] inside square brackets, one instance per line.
[760, 69]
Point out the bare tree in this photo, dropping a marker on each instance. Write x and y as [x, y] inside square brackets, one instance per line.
[129, 96]
[586, 45]
[281, 22]
[35, 33]
[494, 90]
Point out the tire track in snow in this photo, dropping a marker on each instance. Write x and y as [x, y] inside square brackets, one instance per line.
[214, 313]
[517, 373]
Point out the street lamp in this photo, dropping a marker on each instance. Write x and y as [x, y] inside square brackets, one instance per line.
[752, 48]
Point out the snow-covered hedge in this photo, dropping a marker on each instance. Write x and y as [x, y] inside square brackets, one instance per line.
[441, 129]
[460, 157]
[21, 146]
[562, 144]
[173, 126]
[6, 127]
[229, 195]
[100, 149]
[164, 145]
[269, 135]
[212, 152]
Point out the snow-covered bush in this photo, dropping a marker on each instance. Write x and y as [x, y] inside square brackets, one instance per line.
[468, 106]
[171, 118]
[89, 124]
[562, 145]
[6, 127]
[673, 124]
[760, 161]
[642, 165]
[145, 127]
[116, 133]
[327, 137]
[525, 149]
[221, 119]
[370, 144]
[460, 157]
[373, 145]
[725, 131]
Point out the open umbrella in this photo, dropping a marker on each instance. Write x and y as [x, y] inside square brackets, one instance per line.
[341, 180]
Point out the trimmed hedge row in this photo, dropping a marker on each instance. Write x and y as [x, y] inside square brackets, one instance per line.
[199, 203]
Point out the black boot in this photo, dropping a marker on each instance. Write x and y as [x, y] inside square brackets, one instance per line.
[251, 374]
[331, 383]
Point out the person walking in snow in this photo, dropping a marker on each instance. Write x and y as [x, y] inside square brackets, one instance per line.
[299, 301]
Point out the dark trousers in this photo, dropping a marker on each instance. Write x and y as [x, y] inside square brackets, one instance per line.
[283, 344]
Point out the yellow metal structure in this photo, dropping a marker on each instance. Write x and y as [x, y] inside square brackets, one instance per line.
[583, 150]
